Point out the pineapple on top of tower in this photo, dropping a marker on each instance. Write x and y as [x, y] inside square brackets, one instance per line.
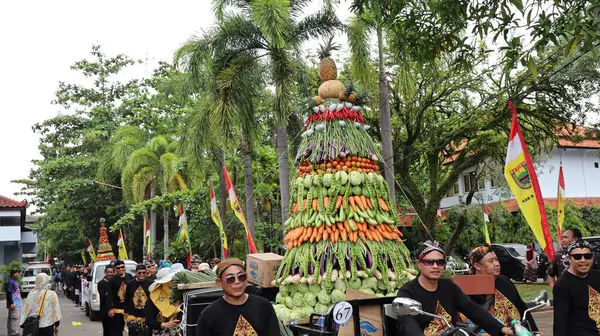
[331, 86]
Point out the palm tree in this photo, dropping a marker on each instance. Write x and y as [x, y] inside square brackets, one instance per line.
[270, 34]
[150, 168]
[370, 17]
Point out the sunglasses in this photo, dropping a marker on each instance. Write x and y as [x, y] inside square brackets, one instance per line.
[578, 256]
[120, 267]
[230, 279]
[140, 273]
[430, 262]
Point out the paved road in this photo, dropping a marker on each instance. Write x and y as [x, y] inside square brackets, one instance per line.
[70, 314]
[544, 320]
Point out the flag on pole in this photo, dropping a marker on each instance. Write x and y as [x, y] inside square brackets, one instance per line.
[522, 180]
[121, 246]
[560, 206]
[216, 217]
[237, 209]
[184, 234]
[439, 212]
[91, 251]
[84, 257]
[147, 238]
[486, 220]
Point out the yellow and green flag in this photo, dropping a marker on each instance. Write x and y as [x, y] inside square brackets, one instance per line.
[121, 246]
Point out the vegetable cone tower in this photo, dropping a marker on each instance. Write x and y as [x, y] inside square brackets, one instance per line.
[342, 230]
[105, 251]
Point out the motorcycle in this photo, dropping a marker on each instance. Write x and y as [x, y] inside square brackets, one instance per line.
[408, 307]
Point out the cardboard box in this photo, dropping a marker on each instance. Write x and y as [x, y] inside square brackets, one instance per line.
[371, 317]
[262, 268]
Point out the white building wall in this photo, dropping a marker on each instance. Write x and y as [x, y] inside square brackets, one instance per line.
[581, 169]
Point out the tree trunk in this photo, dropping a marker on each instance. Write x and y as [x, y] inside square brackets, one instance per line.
[247, 152]
[385, 121]
[166, 229]
[284, 170]
[152, 224]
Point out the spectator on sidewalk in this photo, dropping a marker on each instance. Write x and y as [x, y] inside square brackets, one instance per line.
[13, 302]
[46, 299]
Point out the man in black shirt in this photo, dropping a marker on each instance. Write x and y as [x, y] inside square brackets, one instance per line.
[103, 292]
[559, 262]
[441, 297]
[136, 295]
[508, 304]
[116, 300]
[576, 294]
[237, 313]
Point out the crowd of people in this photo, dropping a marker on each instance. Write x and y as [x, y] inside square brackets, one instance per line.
[141, 301]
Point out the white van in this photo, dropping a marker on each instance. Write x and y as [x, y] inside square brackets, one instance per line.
[92, 305]
[30, 271]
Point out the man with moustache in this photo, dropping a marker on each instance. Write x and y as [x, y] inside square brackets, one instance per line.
[237, 313]
[441, 297]
[116, 298]
[508, 304]
[576, 294]
[560, 261]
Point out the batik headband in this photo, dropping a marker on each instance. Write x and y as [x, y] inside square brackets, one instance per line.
[428, 247]
[579, 244]
[477, 253]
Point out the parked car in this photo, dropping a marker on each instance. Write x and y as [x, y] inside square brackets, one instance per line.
[457, 265]
[30, 271]
[92, 305]
[512, 259]
[595, 242]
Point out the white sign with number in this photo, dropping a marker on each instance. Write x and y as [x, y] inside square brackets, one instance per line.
[342, 312]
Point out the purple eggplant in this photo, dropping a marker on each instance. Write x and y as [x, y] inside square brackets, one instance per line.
[335, 262]
[319, 158]
[348, 263]
[322, 263]
[300, 272]
[311, 269]
[369, 259]
[358, 265]
[294, 270]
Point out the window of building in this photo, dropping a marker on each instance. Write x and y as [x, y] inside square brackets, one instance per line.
[480, 184]
[453, 191]
[595, 164]
[493, 183]
[469, 182]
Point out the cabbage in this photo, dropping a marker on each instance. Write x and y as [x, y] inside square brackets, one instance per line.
[289, 302]
[280, 298]
[355, 284]
[310, 299]
[302, 288]
[366, 290]
[369, 283]
[324, 297]
[298, 300]
[297, 314]
[320, 308]
[381, 285]
[315, 289]
[339, 284]
[391, 294]
[283, 313]
[307, 311]
[337, 296]
[379, 295]
[293, 288]
[284, 288]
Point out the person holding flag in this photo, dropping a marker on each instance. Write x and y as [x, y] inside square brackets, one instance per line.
[522, 180]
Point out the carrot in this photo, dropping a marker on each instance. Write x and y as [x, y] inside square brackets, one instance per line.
[358, 202]
[340, 225]
[315, 204]
[299, 232]
[290, 245]
[362, 235]
[305, 202]
[379, 236]
[369, 203]
[339, 202]
[328, 229]
[382, 205]
[347, 226]
[352, 204]
[321, 228]
[308, 233]
[369, 235]
[387, 235]
[336, 236]
[325, 235]
[344, 236]
[326, 201]
[364, 201]
[295, 208]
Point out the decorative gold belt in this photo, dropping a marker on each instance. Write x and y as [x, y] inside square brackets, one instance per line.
[119, 311]
[132, 318]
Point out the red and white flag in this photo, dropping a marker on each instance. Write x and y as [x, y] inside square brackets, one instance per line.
[439, 212]
[560, 206]
[237, 209]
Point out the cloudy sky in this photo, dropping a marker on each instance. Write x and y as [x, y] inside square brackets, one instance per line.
[40, 40]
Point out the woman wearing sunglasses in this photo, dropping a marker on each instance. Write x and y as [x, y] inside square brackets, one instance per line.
[576, 294]
[441, 297]
[237, 313]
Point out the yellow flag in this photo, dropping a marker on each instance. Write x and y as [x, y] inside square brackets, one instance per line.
[522, 180]
[121, 246]
[84, 257]
[91, 251]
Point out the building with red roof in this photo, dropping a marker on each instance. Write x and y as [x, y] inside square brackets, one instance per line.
[17, 241]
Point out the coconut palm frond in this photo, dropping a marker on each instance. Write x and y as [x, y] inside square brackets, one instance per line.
[220, 6]
[323, 23]
[140, 183]
[158, 145]
[358, 39]
[273, 19]
[168, 165]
